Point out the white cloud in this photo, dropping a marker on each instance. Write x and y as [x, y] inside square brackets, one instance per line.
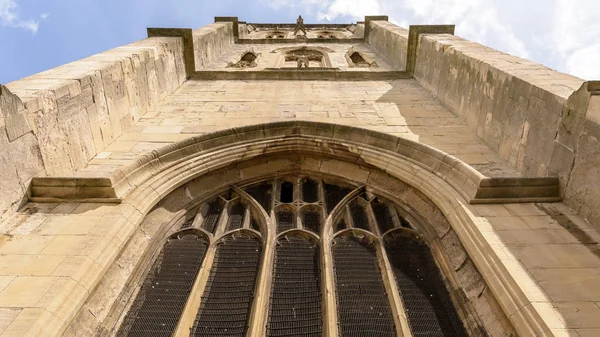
[562, 34]
[9, 17]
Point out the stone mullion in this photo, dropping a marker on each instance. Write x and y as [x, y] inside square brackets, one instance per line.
[329, 303]
[391, 288]
[262, 290]
[223, 218]
[186, 321]
[372, 220]
[330, 317]
[247, 217]
[260, 305]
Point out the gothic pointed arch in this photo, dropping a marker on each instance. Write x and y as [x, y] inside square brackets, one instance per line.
[357, 185]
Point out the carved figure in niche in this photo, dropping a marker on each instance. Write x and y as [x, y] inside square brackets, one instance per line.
[300, 26]
[248, 60]
[305, 57]
[303, 62]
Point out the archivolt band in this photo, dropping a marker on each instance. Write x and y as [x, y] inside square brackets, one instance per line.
[342, 259]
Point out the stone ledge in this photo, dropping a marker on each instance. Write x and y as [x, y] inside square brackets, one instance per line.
[350, 143]
[300, 74]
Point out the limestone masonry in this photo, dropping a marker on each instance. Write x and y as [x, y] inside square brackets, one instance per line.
[489, 161]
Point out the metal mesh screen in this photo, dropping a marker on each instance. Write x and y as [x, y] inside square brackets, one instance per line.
[262, 194]
[236, 217]
[426, 300]
[333, 195]
[383, 217]
[229, 292]
[285, 221]
[163, 295]
[359, 217]
[363, 308]
[212, 216]
[310, 191]
[311, 220]
[295, 305]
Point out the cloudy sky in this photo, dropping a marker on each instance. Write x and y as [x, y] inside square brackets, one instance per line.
[36, 35]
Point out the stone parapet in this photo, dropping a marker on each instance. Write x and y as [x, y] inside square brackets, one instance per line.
[391, 41]
[211, 41]
[57, 120]
[535, 118]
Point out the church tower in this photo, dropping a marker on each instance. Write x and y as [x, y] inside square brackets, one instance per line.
[298, 179]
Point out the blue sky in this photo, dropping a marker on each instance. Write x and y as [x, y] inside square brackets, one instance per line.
[36, 35]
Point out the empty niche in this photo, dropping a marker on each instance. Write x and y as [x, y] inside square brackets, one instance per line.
[247, 60]
[275, 35]
[357, 59]
[326, 35]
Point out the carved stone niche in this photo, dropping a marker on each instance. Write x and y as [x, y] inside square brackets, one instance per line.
[325, 34]
[248, 59]
[275, 35]
[303, 57]
[357, 59]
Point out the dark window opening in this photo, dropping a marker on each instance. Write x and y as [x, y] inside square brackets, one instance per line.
[363, 307]
[427, 302]
[212, 216]
[341, 225]
[262, 194]
[333, 195]
[287, 192]
[236, 217]
[227, 299]
[311, 220]
[164, 293]
[357, 58]
[295, 305]
[383, 217]
[285, 221]
[310, 191]
[359, 217]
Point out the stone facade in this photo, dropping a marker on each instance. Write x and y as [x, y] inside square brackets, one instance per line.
[102, 158]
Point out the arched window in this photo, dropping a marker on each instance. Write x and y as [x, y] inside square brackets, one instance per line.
[268, 251]
[162, 297]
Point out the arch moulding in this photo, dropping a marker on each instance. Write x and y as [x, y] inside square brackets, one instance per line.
[361, 156]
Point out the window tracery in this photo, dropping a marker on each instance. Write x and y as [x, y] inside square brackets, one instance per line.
[373, 248]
